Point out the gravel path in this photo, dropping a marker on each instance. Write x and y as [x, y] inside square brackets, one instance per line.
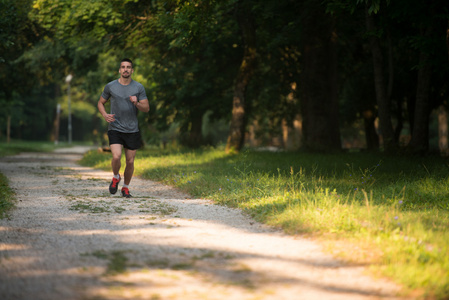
[69, 239]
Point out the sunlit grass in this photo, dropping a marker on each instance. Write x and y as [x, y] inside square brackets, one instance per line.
[396, 208]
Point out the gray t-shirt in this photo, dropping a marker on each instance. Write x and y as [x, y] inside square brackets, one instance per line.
[125, 112]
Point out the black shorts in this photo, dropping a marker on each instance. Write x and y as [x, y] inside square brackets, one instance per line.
[131, 141]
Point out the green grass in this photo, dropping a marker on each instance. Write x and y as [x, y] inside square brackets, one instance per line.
[117, 260]
[393, 209]
[16, 147]
[6, 196]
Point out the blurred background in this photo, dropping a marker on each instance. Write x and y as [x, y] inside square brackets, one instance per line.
[290, 74]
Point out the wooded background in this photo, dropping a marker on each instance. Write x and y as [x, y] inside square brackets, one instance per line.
[297, 74]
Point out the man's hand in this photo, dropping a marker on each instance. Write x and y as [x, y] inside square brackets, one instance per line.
[109, 118]
[133, 99]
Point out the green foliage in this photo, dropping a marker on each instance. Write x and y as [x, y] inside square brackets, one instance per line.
[13, 26]
[15, 39]
[72, 20]
[6, 196]
[394, 207]
[195, 63]
[8, 17]
[188, 52]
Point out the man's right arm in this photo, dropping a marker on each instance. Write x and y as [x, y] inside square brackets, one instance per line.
[108, 117]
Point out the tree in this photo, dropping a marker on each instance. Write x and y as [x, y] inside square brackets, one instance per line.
[248, 34]
[17, 33]
[195, 63]
[425, 41]
[447, 39]
[198, 57]
[420, 133]
[318, 85]
[383, 101]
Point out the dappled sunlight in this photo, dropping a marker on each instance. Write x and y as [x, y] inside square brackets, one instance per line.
[11, 247]
[93, 232]
[79, 271]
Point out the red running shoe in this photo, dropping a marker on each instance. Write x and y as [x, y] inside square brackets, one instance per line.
[125, 192]
[114, 185]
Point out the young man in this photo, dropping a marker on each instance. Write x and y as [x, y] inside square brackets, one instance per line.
[127, 98]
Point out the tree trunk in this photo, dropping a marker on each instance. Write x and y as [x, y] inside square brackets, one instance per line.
[8, 129]
[191, 130]
[400, 124]
[447, 39]
[420, 135]
[55, 134]
[236, 135]
[372, 139]
[442, 131]
[383, 103]
[56, 121]
[292, 136]
[318, 85]
[195, 135]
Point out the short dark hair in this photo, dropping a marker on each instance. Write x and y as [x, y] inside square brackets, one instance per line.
[127, 60]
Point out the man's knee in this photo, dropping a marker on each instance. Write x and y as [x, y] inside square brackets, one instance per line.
[130, 161]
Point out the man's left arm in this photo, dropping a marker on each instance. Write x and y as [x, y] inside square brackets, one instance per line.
[142, 105]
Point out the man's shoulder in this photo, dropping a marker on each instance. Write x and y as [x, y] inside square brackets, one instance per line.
[138, 84]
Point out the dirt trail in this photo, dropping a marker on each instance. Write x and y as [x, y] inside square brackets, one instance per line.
[69, 239]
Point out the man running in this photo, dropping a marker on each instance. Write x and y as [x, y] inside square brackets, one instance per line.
[127, 98]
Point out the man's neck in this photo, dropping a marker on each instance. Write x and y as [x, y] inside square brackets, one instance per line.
[124, 81]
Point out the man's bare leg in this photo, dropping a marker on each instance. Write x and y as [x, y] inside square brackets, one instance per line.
[116, 150]
[129, 169]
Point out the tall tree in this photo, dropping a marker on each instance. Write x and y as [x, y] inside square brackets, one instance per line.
[420, 133]
[318, 85]
[17, 34]
[447, 39]
[196, 64]
[245, 20]
[383, 101]
[427, 40]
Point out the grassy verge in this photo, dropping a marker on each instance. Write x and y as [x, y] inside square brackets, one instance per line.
[22, 146]
[6, 196]
[389, 212]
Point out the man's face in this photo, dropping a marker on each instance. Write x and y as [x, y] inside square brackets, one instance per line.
[126, 69]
